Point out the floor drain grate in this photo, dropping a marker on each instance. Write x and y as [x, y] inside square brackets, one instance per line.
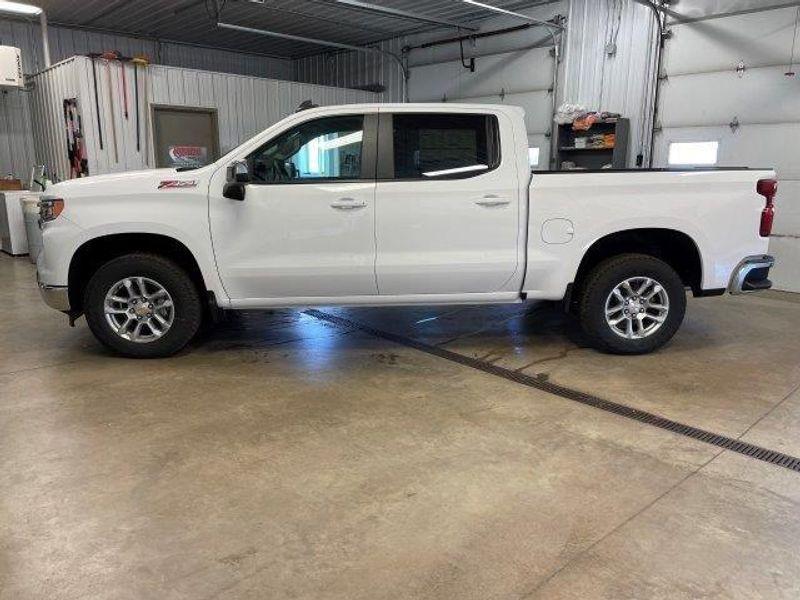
[764, 454]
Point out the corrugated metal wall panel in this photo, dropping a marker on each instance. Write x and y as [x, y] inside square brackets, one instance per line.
[617, 83]
[17, 154]
[244, 105]
[355, 69]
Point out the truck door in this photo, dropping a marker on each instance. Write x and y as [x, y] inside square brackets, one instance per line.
[447, 204]
[306, 227]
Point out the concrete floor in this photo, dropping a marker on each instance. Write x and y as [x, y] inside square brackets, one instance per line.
[285, 457]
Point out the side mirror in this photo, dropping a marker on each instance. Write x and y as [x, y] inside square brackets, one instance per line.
[239, 172]
[234, 190]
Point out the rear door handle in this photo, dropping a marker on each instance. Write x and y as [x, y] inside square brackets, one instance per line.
[491, 200]
[347, 204]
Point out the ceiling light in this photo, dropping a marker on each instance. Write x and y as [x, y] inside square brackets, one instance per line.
[496, 9]
[18, 8]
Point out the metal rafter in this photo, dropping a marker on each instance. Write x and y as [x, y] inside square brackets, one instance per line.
[400, 14]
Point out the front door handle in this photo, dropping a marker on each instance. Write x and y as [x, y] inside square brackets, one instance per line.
[491, 200]
[347, 204]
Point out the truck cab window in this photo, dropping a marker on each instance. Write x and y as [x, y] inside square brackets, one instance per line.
[444, 146]
[328, 148]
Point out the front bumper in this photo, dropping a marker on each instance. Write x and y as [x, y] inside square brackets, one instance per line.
[55, 296]
[752, 274]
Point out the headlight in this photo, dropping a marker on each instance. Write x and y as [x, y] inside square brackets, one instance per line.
[50, 208]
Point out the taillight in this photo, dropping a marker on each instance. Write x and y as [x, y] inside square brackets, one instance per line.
[50, 208]
[767, 188]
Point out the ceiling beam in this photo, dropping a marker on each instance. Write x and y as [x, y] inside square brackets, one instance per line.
[400, 14]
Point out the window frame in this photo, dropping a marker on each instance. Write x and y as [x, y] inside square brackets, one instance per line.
[369, 143]
[385, 167]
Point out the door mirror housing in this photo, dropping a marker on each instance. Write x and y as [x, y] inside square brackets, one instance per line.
[239, 172]
[234, 190]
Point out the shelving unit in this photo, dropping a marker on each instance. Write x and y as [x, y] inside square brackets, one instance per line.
[594, 157]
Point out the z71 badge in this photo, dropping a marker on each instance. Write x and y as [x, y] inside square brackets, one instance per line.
[177, 183]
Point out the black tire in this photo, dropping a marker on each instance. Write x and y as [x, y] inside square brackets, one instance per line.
[188, 311]
[601, 282]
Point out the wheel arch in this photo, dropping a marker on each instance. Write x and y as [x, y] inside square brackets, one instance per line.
[674, 247]
[95, 252]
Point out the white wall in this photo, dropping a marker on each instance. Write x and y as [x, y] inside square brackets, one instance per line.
[704, 93]
[16, 147]
[619, 82]
[507, 66]
[244, 106]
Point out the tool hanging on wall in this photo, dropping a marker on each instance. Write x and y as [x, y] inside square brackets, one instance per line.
[93, 58]
[136, 102]
[790, 71]
[144, 62]
[124, 88]
[108, 57]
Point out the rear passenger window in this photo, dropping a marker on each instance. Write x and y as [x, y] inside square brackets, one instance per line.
[444, 146]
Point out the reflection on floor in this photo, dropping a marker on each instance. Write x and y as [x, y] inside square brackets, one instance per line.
[283, 456]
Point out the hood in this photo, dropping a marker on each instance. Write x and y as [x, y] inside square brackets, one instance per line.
[150, 179]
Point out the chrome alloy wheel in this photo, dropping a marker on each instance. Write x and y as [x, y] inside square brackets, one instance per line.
[139, 309]
[637, 307]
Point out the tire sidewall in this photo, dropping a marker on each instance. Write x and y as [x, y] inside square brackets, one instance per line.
[184, 295]
[611, 273]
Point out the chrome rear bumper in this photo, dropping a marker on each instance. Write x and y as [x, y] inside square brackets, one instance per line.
[751, 274]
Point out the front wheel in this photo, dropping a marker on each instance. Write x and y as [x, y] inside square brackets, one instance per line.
[142, 306]
[632, 304]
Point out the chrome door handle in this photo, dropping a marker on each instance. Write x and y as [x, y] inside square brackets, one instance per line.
[347, 204]
[493, 201]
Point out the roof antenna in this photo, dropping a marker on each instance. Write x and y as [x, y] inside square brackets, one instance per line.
[305, 105]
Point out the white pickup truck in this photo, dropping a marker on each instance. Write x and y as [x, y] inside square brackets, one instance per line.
[400, 204]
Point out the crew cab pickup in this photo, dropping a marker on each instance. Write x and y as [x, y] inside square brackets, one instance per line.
[398, 204]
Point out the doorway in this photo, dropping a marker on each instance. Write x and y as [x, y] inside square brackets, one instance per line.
[185, 137]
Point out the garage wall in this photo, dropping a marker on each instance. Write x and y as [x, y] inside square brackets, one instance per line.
[619, 82]
[244, 105]
[17, 150]
[512, 69]
[355, 69]
[704, 93]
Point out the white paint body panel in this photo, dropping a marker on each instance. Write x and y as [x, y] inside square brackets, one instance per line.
[284, 246]
[456, 236]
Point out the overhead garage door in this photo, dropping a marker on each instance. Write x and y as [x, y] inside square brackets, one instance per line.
[507, 78]
[753, 113]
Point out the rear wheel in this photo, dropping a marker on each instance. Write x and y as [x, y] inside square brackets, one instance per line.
[632, 304]
[142, 306]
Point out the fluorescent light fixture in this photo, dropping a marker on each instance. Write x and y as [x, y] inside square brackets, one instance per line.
[533, 156]
[18, 8]
[693, 153]
[456, 170]
[345, 140]
[496, 9]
